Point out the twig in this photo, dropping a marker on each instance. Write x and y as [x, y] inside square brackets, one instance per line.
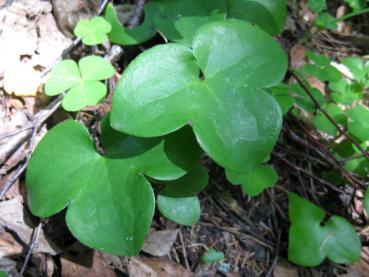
[137, 13]
[33, 245]
[318, 107]
[184, 253]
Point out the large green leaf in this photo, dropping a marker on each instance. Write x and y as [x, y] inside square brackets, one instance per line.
[269, 14]
[178, 201]
[110, 202]
[235, 121]
[310, 242]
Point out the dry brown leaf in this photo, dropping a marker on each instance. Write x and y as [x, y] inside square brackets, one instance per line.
[13, 217]
[154, 267]
[98, 267]
[297, 56]
[159, 243]
[9, 247]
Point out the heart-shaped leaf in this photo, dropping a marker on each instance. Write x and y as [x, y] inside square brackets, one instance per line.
[80, 82]
[92, 31]
[269, 14]
[179, 20]
[310, 242]
[235, 121]
[110, 202]
[254, 182]
[178, 201]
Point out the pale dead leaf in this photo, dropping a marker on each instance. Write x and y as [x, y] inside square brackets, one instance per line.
[9, 247]
[22, 80]
[154, 267]
[285, 269]
[14, 218]
[159, 243]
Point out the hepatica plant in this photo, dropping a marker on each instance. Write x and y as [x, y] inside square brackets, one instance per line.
[205, 92]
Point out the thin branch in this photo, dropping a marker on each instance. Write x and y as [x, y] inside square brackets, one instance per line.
[318, 107]
[137, 13]
[35, 236]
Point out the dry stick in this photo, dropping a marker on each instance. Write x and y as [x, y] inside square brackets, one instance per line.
[137, 13]
[35, 236]
[286, 161]
[317, 106]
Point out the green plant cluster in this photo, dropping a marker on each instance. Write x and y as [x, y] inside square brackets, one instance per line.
[325, 20]
[213, 89]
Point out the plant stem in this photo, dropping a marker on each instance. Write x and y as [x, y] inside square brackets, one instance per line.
[353, 14]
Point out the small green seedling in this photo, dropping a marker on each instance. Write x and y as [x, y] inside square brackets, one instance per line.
[92, 31]
[212, 256]
[80, 82]
[311, 240]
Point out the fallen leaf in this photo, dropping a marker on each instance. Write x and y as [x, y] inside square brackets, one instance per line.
[297, 56]
[159, 243]
[98, 266]
[154, 267]
[285, 269]
[22, 80]
[9, 247]
[13, 217]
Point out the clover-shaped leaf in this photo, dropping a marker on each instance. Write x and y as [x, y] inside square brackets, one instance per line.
[82, 82]
[311, 241]
[110, 202]
[235, 121]
[358, 125]
[323, 124]
[178, 201]
[254, 182]
[269, 14]
[179, 20]
[92, 31]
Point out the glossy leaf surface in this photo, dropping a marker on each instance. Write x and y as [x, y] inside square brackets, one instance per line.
[311, 241]
[178, 201]
[110, 202]
[235, 121]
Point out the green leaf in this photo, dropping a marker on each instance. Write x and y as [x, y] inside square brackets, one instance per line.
[269, 14]
[110, 202]
[212, 256]
[84, 94]
[92, 31]
[310, 242]
[281, 93]
[95, 68]
[322, 123]
[357, 68]
[325, 21]
[358, 126]
[235, 121]
[320, 60]
[81, 84]
[124, 36]
[256, 181]
[179, 20]
[357, 5]
[178, 201]
[303, 100]
[344, 92]
[63, 76]
[323, 73]
[3, 274]
[317, 6]
[366, 201]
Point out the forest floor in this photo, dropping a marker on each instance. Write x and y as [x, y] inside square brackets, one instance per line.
[252, 232]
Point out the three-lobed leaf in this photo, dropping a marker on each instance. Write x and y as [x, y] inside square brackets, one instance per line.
[92, 31]
[81, 82]
[311, 241]
[235, 121]
[110, 202]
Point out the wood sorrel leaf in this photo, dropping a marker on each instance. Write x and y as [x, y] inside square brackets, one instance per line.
[311, 241]
[235, 121]
[110, 202]
[92, 31]
[81, 83]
